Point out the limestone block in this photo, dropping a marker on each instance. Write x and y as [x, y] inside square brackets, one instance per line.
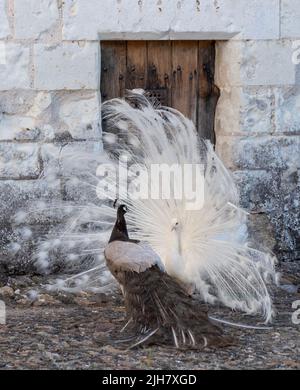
[19, 161]
[257, 188]
[4, 25]
[165, 19]
[67, 66]
[245, 110]
[262, 152]
[14, 66]
[34, 19]
[79, 114]
[47, 115]
[25, 116]
[243, 63]
[17, 198]
[290, 17]
[288, 109]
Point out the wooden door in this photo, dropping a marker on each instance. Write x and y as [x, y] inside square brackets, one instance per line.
[179, 74]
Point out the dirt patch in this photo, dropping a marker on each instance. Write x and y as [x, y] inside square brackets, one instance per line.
[63, 331]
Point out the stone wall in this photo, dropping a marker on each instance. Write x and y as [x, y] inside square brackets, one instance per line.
[258, 125]
[50, 100]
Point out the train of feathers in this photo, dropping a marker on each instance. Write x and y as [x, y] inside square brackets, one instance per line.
[166, 257]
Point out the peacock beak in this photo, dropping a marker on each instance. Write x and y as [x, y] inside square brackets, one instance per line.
[174, 227]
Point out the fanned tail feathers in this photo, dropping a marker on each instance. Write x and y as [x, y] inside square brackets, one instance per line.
[209, 250]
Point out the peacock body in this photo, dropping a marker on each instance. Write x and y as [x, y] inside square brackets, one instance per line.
[205, 248]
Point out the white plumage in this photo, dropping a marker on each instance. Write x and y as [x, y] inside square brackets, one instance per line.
[206, 248]
[129, 256]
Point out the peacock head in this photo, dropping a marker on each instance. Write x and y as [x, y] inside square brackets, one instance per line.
[174, 224]
[122, 210]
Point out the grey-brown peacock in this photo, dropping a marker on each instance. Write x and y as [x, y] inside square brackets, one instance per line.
[159, 309]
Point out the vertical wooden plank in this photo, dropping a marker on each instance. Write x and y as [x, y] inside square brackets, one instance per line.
[136, 75]
[113, 69]
[160, 67]
[183, 69]
[185, 77]
[209, 93]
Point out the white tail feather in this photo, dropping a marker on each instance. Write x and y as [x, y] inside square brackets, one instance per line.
[214, 255]
[237, 325]
[209, 250]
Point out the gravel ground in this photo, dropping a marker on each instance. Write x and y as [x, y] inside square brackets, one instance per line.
[64, 331]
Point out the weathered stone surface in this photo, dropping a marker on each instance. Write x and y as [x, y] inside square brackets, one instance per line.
[81, 192]
[260, 57]
[113, 16]
[19, 161]
[79, 114]
[16, 196]
[257, 189]
[257, 110]
[14, 66]
[6, 291]
[71, 158]
[16, 101]
[269, 184]
[50, 155]
[89, 149]
[46, 115]
[255, 19]
[27, 213]
[17, 127]
[24, 116]
[61, 66]
[70, 163]
[273, 195]
[263, 152]
[4, 25]
[255, 114]
[35, 19]
[31, 209]
[257, 118]
[227, 63]
[261, 232]
[287, 111]
[167, 19]
[290, 16]
[76, 164]
[242, 63]
[286, 215]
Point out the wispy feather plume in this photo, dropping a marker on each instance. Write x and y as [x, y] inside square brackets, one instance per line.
[215, 256]
[207, 249]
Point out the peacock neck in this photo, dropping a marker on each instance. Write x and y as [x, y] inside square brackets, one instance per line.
[119, 232]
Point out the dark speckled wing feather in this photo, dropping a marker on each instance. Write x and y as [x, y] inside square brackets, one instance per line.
[158, 307]
[162, 312]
